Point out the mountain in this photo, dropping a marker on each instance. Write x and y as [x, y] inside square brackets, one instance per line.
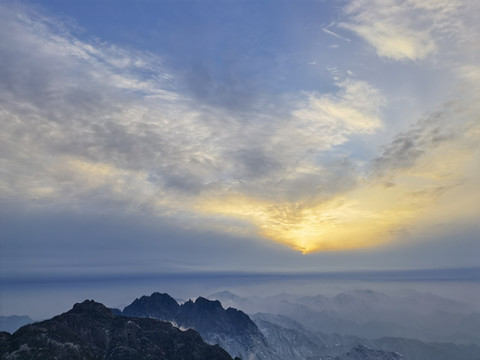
[12, 323]
[414, 349]
[362, 352]
[91, 331]
[232, 329]
[370, 314]
[159, 306]
[293, 341]
[287, 337]
[229, 299]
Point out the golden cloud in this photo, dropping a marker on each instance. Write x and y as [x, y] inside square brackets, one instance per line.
[371, 214]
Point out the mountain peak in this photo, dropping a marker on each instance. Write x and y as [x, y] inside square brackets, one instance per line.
[210, 304]
[230, 328]
[157, 305]
[90, 331]
[91, 308]
[225, 294]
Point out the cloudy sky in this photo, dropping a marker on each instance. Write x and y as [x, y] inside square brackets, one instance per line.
[181, 136]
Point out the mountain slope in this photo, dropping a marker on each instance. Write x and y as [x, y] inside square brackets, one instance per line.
[232, 329]
[362, 352]
[418, 350]
[370, 314]
[295, 342]
[91, 331]
[292, 344]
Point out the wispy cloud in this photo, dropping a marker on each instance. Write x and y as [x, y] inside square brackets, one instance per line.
[103, 123]
[407, 29]
[355, 108]
[90, 125]
[335, 34]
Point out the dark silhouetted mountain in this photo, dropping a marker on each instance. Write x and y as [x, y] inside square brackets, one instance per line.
[232, 329]
[209, 317]
[115, 311]
[91, 331]
[4, 339]
[14, 322]
[158, 306]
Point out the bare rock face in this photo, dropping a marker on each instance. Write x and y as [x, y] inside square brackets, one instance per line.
[232, 329]
[158, 306]
[91, 331]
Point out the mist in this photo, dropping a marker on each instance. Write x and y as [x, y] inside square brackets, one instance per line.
[53, 295]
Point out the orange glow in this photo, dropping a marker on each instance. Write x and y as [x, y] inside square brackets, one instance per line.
[369, 215]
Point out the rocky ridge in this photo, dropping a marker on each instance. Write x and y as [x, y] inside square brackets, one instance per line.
[231, 329]
[90, 331]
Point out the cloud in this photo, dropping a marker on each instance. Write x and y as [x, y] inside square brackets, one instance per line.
[335, 34]
[405, 29]
[427, 135]
[355, 108]
[435, 166]
[415, 183]
[470, 77]
[92, 114]
[94, 127]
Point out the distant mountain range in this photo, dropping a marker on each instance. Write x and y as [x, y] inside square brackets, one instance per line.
[12, 323]
[295, 342]
[362, 352]
[158, 327]
[371, 314]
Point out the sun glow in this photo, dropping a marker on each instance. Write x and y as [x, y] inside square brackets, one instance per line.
[360, 219]
[371, 214]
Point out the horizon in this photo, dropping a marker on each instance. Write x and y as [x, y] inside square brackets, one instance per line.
[53, 296]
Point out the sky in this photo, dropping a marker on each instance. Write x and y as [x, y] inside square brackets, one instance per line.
[166, 137]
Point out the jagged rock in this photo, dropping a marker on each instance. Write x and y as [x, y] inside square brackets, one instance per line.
[232, 329]
[91, 331]
[159, 306]
[290, 344]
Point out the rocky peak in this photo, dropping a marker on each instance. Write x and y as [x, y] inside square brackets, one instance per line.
[91, 331]
[208, 304]
[90, 308]
[209, 316]
[201, 308]
[230, 328]
[157, 305]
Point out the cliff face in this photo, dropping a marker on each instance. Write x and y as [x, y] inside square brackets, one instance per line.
[158, 306]
[91, 331]
[232, 329]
